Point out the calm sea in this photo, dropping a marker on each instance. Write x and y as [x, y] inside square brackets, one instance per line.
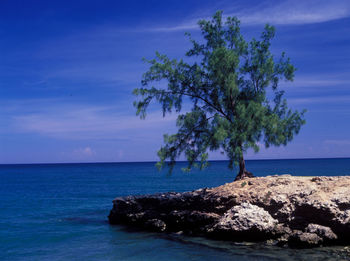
[59, 211]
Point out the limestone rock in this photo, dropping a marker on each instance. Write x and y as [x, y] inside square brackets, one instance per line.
[299, 211]
[245, 221]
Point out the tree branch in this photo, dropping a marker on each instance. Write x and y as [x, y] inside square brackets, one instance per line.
[218, 109]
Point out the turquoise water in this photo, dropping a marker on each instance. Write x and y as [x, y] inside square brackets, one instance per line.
[59, 211]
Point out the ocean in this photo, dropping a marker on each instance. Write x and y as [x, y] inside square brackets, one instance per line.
[59, 211]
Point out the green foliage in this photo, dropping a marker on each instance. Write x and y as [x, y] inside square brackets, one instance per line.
[243, 184]
[227, 84]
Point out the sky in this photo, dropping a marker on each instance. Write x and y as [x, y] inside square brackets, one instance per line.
[68, 68]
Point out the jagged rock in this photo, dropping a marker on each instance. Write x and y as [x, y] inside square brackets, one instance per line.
[245, 221]
[299, 211]
[300, 239]
[155, 224]
[324, 232]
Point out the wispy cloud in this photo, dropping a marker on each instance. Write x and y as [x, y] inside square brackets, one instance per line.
[281, 13]
[318, 81]
[338, 142]
[318, 84]
[90, 122]
[300, 12]
[320, 99]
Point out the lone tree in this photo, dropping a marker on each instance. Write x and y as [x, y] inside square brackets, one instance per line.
[228, 82]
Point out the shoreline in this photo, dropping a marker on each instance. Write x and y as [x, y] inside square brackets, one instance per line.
[295, 211]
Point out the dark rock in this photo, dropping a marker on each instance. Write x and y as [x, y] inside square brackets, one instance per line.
[324, 232]
[155, 224]
[304, 240]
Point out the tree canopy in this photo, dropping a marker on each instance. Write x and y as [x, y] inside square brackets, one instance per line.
[234, 88]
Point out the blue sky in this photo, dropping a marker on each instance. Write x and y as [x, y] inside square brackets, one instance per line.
[67, 70]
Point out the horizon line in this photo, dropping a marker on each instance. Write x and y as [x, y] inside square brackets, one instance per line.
[180, 161]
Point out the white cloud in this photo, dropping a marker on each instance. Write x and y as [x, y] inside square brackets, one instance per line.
[298, 12]
[91, 122]
[338, 142]
[84, 152]
[316, 81]
[281, 13]
[319, 99]
[318, 88]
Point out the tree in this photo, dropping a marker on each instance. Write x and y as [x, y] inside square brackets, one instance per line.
[233, 86]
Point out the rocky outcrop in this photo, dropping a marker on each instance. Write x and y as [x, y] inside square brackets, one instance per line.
[298, 211]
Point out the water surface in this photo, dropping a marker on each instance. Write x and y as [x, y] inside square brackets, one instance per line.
[59, 211]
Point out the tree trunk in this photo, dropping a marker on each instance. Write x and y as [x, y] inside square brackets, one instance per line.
[243, 173]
